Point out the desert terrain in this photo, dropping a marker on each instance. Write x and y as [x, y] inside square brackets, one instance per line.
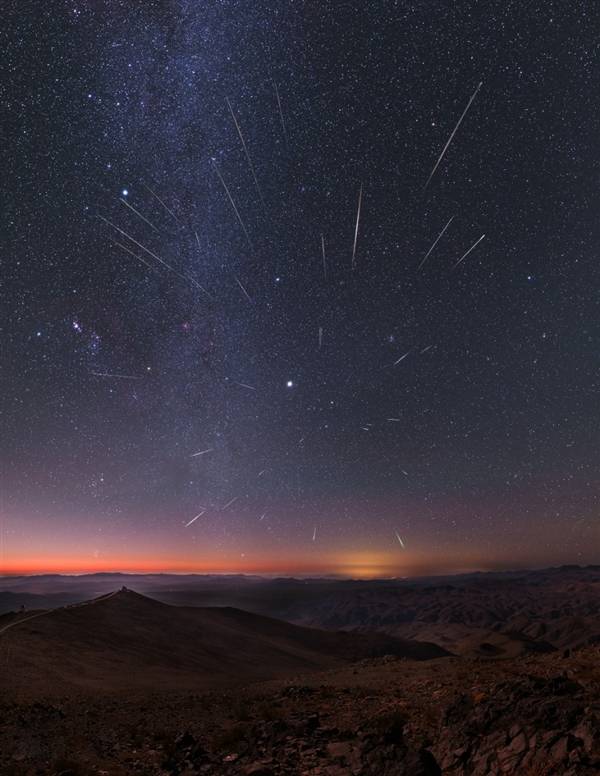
[482, 674]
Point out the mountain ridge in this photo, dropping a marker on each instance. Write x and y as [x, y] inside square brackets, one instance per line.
[126, 640]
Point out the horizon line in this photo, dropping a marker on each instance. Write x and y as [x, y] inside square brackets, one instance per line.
[300, 574]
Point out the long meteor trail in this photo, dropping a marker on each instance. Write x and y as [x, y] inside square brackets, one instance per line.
[239, 131]
[356, 227]
[454, 131]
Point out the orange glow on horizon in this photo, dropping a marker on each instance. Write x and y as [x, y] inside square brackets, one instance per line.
[351, 565]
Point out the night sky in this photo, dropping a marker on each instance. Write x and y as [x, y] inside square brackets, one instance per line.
[194, 324]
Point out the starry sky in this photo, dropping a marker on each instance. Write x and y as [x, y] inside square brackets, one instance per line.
[227, 344]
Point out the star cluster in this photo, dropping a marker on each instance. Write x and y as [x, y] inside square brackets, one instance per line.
[233, 341]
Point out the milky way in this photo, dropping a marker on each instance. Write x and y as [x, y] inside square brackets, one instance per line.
[214, 360]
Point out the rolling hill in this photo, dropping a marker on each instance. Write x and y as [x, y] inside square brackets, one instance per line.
[125, 640]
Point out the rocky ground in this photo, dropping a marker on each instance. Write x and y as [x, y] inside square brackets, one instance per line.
[535, 716]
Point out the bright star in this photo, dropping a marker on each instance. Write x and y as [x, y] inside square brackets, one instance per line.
[290, 384]
[125, 192]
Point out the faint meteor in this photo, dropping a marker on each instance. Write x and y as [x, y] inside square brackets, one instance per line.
[356, 227]
[315, 534]
[201, 452]
[401, 358]
[195, 518]
[285, 134]
[233, 205]
[260, 474]
[262, 517]
[119, 377]
[324, 258]
[459, 122]
[246, 294]
[169, 211]
[400, 540]
[229, 503]
[437, 239]
[320, 336]
[404, 472]
[239, 131]
[244, 385]
[395, 420]
[427, 348]
[464, 256]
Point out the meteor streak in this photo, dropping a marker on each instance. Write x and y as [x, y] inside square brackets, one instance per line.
[401, 358]
[356, 227]
[437, 239]
[169, 211]
[246, 294]
[285, 134]
[464, 256]
[137, 212]
[128, 250]
[459, 122]
[120, 377]
[143, 247]
[195, 518]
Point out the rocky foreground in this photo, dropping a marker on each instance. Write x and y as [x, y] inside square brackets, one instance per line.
[534, 716]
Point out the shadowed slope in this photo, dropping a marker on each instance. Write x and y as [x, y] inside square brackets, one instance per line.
[126, 640]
